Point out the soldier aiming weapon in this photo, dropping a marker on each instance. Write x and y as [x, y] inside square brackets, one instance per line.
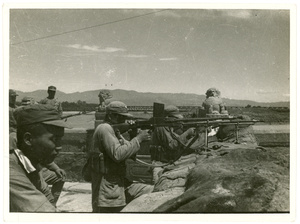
[200, 124]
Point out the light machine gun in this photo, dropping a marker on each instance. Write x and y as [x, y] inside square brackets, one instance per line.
[200, 124]
[159, 120]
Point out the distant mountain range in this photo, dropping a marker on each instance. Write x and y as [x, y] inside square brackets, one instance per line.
[133, 98]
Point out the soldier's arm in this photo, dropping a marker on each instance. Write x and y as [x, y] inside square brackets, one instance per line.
[54, 167]
[43, 101]
[24, 197]
[164, 138]
[110, 143]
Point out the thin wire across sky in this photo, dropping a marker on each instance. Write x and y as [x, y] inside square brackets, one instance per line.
[85, 28]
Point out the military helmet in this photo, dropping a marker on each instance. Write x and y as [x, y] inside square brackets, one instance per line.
[172, 111]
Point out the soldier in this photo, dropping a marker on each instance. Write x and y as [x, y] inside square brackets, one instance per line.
[51, 100]
[12, 106]
[12, 121]
[110, 190]
[51, 173]
[27, 100]
[168, 142]
[39, 133]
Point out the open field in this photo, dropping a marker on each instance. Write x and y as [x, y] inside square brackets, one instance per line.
[267, 115]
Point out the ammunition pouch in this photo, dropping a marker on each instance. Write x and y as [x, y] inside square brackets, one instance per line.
[155, 152]
[94, 163]
[114, 168]
[97, 163]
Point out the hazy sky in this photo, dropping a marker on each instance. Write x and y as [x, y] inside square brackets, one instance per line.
[244, 53]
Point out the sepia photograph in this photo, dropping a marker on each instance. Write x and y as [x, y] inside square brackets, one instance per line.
[163, 112]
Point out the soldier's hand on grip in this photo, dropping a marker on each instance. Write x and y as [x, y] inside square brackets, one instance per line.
[143, 135]
[190, 132]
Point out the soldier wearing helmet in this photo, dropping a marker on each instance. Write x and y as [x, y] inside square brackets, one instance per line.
[167, 142]
[110, 189]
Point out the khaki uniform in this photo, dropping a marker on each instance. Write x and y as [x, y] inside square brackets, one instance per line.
[166, 148]
[53, 102]
[25, 186]
[12, 129]
[51, 178]
[113, 191]
[28, 189]
[12, 120]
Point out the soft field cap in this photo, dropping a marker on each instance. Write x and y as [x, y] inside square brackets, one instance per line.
[51, 88]
[118, 107]
[27, 100]
[39, 113]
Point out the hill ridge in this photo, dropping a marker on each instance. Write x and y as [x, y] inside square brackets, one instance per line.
[134, 98]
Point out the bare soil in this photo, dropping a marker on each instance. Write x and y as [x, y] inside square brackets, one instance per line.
[232, 179]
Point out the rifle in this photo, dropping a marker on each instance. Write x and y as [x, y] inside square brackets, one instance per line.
[73, 115]
[201, 124]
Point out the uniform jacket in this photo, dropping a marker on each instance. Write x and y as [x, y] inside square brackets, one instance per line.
[25, 184]
[12, 120]
[171, 149]
[162, 137]
[116, 151]
[55, 103]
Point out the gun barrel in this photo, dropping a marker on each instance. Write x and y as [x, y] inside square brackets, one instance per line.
[77, 114]
[220, 123]
[208, 119]
[70, 115]
[150, 124]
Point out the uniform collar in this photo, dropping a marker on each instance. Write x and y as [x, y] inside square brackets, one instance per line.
[25, 161]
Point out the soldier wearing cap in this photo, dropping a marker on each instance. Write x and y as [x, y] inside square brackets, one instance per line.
[39, 133]
[27, 101]
[52, 101]
[12, 98]
[13, 125]
[12, 121]
[52, 174]
[110, 191]
[12, 106]
[167, 142]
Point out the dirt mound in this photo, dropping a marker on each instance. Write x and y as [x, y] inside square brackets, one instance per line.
[233, 178]
[236, 179]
